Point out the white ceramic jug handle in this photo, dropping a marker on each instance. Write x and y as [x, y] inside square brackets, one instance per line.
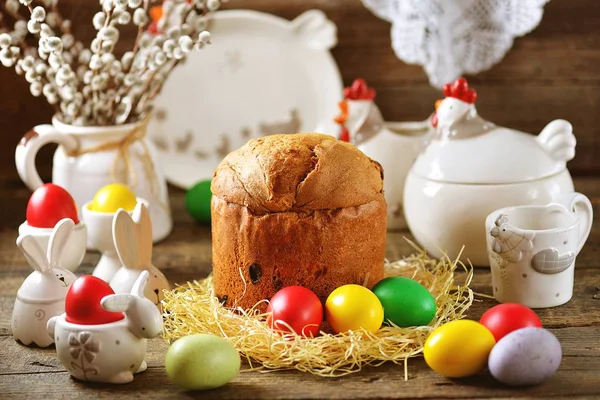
[29, 146]
[580, 205]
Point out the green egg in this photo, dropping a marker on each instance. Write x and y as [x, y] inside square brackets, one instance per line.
[200, 362]
[405, 302]
[197, 201]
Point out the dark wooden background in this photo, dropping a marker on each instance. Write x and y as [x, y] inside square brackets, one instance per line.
[554, 72]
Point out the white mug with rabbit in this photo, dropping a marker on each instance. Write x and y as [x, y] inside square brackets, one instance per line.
[112, 352]
[42, 294]
[132, 235]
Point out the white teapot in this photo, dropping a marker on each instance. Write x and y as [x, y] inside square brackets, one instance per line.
[472, 167]
[395, 145]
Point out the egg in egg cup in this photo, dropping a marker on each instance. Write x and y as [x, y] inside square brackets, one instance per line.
[100, 236]
[74, 251]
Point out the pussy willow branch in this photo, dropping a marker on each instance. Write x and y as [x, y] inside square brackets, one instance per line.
[2, 20]
[95, 94]
[153, 73]
[141, 29]
[22, 44]
[65, 30]
[10, 13]
[174, 63]
[135, 104]
[136, 48]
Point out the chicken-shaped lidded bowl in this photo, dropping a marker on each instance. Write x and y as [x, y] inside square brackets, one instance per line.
[472, 167]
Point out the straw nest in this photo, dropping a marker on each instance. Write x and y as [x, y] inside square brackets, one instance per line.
[193, 308]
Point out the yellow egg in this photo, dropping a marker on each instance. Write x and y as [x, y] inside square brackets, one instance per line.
[459, 348]
[112, 197]
[352, 307]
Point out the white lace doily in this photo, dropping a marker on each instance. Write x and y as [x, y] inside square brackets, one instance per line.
[450, 38]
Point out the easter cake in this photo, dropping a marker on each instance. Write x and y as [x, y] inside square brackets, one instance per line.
[302, 209]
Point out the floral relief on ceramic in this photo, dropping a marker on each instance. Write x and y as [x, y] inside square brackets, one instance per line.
[83, 348]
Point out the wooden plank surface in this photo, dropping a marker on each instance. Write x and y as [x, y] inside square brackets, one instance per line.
[550, 73]
[29, 373]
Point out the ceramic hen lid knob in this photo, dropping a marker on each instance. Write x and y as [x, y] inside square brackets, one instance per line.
[495, 154]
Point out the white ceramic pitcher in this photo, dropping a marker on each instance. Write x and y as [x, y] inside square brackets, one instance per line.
[89, 158]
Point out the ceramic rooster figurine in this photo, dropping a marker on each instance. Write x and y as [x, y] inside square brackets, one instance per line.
[456, 118]
[510, 242]
[359, 117]
[394, 145]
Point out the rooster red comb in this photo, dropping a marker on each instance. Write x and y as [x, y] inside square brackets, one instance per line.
[459, 89]
[359, 91]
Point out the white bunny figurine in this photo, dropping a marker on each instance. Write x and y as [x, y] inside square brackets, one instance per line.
[133, 239]
[112, 352]
[42, 294]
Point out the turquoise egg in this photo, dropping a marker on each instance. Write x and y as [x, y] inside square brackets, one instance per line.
[197, 201]
[405, 301]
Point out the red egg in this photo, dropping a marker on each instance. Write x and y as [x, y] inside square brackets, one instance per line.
[505, 318]
[299, 308]
[82, 303]
[49, 204]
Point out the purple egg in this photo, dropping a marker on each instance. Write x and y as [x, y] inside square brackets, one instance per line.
[527, 356]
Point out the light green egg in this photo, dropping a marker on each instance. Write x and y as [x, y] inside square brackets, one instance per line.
[200, 362]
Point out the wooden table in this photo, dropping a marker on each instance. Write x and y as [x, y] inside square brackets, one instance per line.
[186, 255]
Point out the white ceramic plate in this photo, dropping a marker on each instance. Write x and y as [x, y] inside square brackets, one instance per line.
[261, 75]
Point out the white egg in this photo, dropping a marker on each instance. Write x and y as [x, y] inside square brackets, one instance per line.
[526, 356]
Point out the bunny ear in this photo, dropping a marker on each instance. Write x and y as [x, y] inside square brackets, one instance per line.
[33, 253]
[125, 238]
[142, 217]
[117, 302]
[60, 235]
[140, 284]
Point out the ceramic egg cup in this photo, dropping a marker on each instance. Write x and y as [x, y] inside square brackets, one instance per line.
[72, 256]
[111, 352]
[42, 294]
[100, 236]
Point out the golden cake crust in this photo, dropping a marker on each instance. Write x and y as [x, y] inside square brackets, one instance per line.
[301, 172]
